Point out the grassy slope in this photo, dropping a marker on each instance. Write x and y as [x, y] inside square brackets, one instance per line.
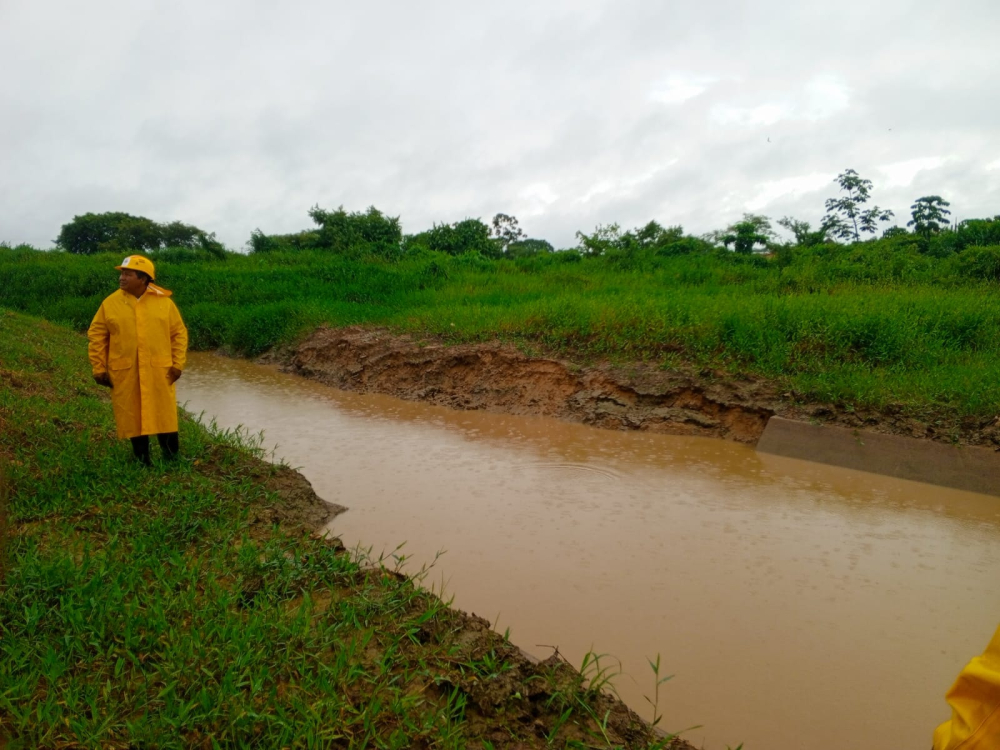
[163, 608]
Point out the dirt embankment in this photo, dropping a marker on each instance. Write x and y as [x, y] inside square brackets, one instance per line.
[497, 377]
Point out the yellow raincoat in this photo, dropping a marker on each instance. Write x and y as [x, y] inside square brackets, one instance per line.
[136, 341]
[975, 704]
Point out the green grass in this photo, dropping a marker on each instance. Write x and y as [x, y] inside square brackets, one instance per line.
[165, 607]
[871, 325]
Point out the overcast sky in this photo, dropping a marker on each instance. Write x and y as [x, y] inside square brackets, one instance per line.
[567, 114]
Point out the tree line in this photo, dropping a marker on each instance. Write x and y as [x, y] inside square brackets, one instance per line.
[848, 218]
[124, 233]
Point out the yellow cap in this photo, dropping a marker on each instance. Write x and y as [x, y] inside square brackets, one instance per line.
[138, 263]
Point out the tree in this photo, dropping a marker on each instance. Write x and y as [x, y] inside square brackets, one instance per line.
[113, 231]
[259, 242]
[845, 218]
[605, 237]
[505, 230]
[978, 232]
[122, 233]
[803, 232]
[894, 231]
[929, 213]
[179, 234]
[211, 245]
[466, 236]
[371, 231]
[655, 236]
[650, 239]
[746, 234]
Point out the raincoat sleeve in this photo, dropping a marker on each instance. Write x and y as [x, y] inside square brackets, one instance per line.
[975, 705]
[178, 338]
[99, 338]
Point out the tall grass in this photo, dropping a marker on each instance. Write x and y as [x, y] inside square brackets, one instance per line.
[870, 325]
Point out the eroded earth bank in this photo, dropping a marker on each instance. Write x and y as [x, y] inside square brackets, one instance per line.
[498, 377]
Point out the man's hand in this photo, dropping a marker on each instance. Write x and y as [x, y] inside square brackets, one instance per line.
[172, 374]
[103, 379]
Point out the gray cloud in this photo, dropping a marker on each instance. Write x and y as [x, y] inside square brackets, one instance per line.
[568, 114]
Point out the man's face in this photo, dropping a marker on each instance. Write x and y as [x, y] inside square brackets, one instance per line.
[131, 282]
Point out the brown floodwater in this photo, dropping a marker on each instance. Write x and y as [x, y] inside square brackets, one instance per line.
[797, 605]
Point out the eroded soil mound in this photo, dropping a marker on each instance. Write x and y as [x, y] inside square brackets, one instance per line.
[299, 502]
[497, 377]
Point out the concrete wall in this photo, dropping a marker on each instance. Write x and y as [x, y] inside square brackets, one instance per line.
[966, 468]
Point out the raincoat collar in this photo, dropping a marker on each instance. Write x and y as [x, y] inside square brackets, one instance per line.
[156, 291]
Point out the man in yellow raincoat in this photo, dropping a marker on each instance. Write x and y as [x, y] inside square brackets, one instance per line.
[138, 348]
[975, 705]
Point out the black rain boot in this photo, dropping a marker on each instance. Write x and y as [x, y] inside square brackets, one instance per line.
[140, 449]
[169, 444]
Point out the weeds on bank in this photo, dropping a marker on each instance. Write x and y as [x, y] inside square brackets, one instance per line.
[586, 690]
[655, 701]
[164, 608]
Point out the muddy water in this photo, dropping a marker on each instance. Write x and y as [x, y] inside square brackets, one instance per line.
[797, 605]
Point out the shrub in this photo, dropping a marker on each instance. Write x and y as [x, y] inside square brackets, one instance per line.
[980, 263]
[468, 236]
[370, 232]
[977, 233]
[527, 248]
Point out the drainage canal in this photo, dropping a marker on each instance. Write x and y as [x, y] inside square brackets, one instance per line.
[796, 604]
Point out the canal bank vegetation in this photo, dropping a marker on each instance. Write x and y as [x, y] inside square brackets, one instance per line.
[904, 318]
[191, 604]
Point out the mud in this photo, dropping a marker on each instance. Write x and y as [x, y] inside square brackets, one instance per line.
[529, 692]
[299, 504]
[499, 378]
[296, 504]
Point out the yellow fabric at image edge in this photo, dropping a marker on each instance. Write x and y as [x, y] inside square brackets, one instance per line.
[975, 705]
